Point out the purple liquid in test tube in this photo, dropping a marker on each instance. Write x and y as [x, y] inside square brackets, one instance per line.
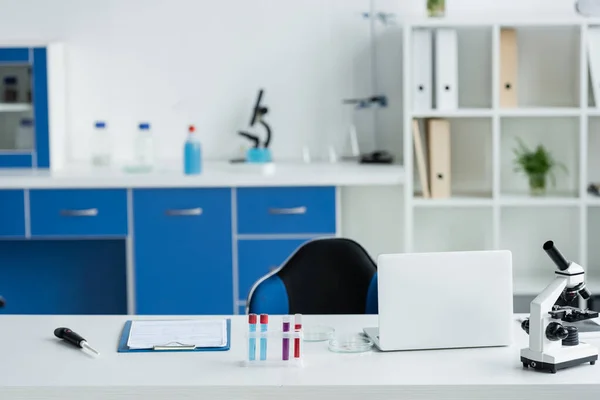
[286, 341]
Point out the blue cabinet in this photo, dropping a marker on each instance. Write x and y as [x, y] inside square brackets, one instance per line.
[183, 251]
[24, 79]
[286, 210]
[257, 258]
[12, 213]
[63, 276]
[78, 212]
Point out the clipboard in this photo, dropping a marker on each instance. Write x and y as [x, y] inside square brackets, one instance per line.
[168, 347]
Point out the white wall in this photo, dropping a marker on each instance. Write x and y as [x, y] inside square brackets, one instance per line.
[201, 61]
[197, 61]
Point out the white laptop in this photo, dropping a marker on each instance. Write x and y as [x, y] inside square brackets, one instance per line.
[444, 300]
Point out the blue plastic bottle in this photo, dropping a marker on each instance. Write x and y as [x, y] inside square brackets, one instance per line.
[192, 154]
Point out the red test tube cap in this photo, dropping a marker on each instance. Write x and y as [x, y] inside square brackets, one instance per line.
[264, 319]
[192, 128]
[252, 318]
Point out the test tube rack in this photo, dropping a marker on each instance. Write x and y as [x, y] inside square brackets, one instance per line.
[274, 348]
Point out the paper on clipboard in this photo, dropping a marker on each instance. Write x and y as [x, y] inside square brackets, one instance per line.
[185, 333]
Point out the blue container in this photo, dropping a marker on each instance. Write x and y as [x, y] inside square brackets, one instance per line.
[258, 155]
[192, 154]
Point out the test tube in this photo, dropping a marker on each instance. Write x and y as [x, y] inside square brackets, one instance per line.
[264, 321]
[252, 340]
[297, 328]
[285, 346]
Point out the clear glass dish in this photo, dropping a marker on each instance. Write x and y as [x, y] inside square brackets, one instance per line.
[353, 343]
[317, 333]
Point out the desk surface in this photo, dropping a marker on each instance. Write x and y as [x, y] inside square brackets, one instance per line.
[34, 364]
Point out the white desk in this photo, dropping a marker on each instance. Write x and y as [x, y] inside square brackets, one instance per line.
[35, 365]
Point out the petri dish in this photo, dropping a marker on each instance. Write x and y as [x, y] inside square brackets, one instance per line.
[317, 333]
[353, 343]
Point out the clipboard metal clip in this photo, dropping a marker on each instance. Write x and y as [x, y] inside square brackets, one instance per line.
[175, 346]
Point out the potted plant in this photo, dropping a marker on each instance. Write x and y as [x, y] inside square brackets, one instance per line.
[538, 165]
[436, 8]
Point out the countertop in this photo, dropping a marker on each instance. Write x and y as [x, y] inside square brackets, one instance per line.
[215, 174]
[37, 365]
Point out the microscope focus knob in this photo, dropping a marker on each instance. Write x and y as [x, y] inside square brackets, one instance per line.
[525, 326]
[556, 332]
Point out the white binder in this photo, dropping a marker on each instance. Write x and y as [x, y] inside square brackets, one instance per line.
[422, 69]
[446, 69]
[593, 47]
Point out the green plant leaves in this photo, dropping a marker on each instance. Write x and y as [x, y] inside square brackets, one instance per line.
[535, 162]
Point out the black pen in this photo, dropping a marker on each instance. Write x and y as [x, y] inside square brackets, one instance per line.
[74, 339]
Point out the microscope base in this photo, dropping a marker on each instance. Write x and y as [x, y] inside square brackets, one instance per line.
[565, 357]
[541, 366]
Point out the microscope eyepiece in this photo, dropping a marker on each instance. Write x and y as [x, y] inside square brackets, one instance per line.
[555, 255]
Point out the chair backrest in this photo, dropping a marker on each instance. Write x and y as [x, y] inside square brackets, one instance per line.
[324, 276]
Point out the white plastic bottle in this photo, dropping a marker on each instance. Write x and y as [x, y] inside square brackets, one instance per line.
[101, 145]
[25, 132]
[144, 148]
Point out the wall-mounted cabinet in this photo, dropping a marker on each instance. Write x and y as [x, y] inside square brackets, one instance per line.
[32, 106]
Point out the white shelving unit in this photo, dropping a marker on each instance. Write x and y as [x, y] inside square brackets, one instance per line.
[490, 207]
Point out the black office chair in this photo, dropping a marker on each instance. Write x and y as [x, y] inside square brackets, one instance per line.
[324, 276]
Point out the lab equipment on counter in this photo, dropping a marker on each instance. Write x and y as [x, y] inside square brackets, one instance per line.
[377, 156]
[25, 135]
[192, 153]
[143, 150]
[101, 145]
[285, 344]
[272, 345]
[264, 327]
[11, 89]
[350, 343]
[259, 152]
[73, 338]
[297, 328]
[252, 320]
[554, 345]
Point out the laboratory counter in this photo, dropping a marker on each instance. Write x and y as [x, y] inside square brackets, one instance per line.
[36, 365]
[215, 174]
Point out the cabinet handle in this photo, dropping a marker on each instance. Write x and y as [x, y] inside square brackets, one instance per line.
[288, 211]
[184, 213]
[90, 212]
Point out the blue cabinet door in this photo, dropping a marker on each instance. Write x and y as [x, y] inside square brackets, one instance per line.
[259, 257]
[78, 212]
[286, 210]
[12, 213]
[183, 251]
[27, 69]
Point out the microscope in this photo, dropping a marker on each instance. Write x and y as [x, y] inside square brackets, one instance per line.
[554, 343]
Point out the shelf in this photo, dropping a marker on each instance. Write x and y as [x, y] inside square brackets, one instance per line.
[593, 112]
[455, 201]
[526, 200]
[509, 22]
[551, 112]
[458, 113]
[593, 201]
[16, 107]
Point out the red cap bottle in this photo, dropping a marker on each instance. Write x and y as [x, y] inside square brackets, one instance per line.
[264, 319]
